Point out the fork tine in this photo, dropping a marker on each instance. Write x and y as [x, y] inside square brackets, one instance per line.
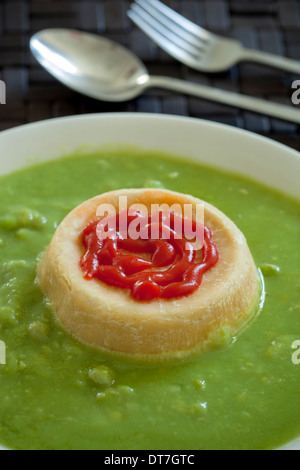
[166, 39]
[160, 39]
[170, 36]
[174, 27]
[185, 24]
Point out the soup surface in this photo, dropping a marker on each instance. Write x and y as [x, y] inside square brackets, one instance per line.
[58, 394]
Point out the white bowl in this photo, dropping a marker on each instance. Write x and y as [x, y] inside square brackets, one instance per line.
[214, 144]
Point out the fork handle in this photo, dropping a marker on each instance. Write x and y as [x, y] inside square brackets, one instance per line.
[272, 60]
[257, 105]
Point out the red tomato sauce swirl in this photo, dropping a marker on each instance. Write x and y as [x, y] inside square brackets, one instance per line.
[173, 268]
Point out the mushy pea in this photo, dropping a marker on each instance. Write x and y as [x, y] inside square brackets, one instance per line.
[58, 394]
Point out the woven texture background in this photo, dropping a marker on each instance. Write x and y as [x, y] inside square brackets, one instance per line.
[32, 94]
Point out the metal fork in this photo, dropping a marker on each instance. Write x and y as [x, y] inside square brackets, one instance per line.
[193, 45]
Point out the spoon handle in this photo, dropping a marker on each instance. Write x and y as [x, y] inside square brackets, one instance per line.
[257, 105]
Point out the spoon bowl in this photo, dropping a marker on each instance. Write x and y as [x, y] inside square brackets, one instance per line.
[90, 64]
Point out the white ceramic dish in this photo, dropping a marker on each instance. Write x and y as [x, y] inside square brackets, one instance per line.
[215, 144]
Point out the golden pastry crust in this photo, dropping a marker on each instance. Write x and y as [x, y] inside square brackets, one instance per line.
[109, 318]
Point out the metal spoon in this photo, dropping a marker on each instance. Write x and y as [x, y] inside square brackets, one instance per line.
[102, 69]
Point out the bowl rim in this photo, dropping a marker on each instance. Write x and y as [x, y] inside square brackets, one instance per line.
[142, 115]
[272, 153]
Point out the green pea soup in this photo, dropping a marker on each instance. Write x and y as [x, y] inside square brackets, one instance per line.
[56, 393]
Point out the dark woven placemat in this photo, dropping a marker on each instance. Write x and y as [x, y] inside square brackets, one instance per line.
[32, 94]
